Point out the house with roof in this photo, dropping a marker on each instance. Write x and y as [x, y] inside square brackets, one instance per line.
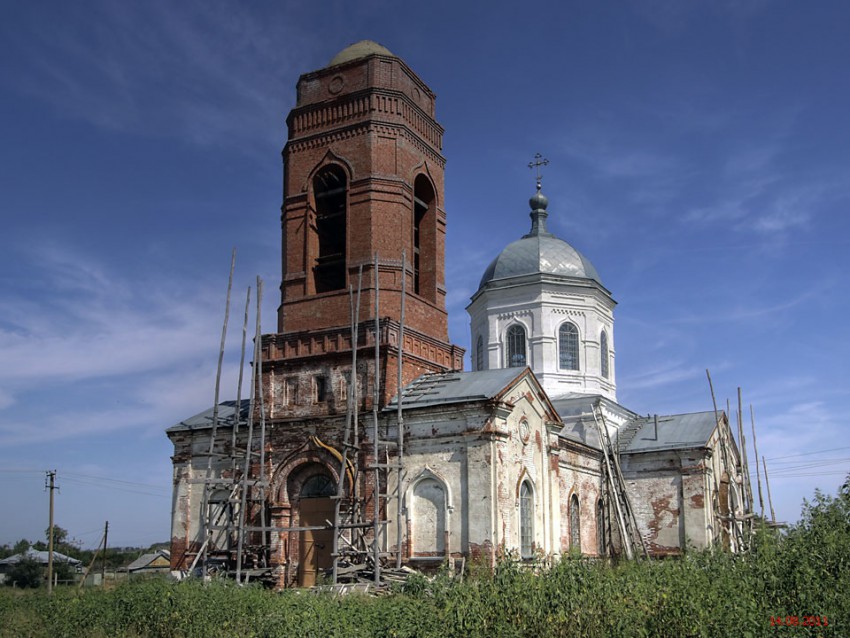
[40, 556]
[151, 563]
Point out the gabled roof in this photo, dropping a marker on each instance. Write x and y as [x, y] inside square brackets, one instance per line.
[204, 420]
[675, 431]
[462, 387]
[146, 559]
[40, 556]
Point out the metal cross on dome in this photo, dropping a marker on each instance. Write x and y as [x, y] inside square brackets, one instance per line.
[539, 161]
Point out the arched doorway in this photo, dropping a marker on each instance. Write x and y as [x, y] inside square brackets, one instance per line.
[316, 507]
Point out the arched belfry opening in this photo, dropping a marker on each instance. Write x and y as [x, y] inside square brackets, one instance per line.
[424, 238]
[330, 193]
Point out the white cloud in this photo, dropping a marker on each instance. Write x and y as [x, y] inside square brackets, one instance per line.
[661, 375]
[612, 157]
[163, 68]
[135, 353]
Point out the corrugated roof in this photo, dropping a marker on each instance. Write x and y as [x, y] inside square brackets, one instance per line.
[204, 420]
[674, 431]
[455, 387]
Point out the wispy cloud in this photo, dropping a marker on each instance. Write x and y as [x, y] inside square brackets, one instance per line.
[662, 374]
[163, 68]
[602, 152]
[743, 311]
[765, 205]
[117, 352]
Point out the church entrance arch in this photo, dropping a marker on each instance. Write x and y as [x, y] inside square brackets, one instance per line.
[312, 489]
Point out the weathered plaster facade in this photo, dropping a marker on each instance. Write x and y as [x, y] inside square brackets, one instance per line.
[504, 458]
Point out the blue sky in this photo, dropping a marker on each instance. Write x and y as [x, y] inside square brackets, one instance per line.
[699, 158]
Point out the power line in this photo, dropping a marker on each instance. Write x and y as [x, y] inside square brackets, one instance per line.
[819, 463]
[81, 479]
[111, 480]
[789, 456]
[6, 471]
[837, 460]
[806, 474]
[91, 483]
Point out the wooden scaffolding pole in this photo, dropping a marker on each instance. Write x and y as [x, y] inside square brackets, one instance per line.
[735, 531]
[400, 416]
[205, 532]
[376, 488]
[756, 452]
[745, 466]
[767, 483]
[261, 496]
[350, 428]
[246, 472]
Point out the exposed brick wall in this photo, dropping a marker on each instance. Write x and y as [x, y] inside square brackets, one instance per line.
[373, 118]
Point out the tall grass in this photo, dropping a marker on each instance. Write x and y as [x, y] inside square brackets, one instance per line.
[803, 573]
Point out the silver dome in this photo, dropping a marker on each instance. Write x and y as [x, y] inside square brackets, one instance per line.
[539, 252]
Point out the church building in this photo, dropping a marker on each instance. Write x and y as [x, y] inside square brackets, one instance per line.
[365, 437]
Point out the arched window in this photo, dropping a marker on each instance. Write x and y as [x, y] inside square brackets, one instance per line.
[424, 239]
[479, 353]
[526, 520]
[568, 347]
[516, 346]
[600, 528]
[575, 524]
[318, 486]
[330, 190]
[603, 353]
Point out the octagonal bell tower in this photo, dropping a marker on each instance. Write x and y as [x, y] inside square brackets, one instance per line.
[362, 180]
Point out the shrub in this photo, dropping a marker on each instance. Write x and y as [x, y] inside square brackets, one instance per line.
[27, 572]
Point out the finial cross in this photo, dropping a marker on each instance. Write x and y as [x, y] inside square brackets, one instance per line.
[539, 161]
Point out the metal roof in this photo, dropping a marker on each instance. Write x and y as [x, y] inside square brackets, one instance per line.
[456, 387]
[204, 420]
[539, 254]
[576, 411]
[146, 559]
[40, 556]
[675, 431]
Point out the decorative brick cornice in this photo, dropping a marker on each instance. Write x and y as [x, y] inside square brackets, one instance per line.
[332, 341]
[322, 140]
[514, 314]
[365, 104]
[568, 311]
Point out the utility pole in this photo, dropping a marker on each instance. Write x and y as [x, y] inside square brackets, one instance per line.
[51, 477]
[103, 558]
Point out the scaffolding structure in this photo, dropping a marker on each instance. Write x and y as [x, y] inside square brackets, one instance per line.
[235, 485]
[633, 542]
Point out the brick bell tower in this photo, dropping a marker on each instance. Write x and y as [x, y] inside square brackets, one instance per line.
[363, 175]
